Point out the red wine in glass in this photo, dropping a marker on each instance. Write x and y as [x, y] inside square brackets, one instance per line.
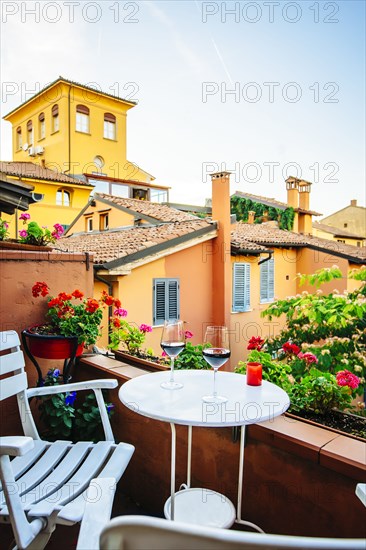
[216, 354]
[173, 343]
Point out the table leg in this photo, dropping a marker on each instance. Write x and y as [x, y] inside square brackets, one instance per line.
[189, 457]
[240, 484]
[172, 471]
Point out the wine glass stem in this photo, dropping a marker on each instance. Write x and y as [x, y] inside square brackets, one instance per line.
[214, 388]
[172, 369]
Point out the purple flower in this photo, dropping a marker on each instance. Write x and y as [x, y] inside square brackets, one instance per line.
[145, 328]
[23, 233]
[56, 373]
[70, 398]
[24, 216]
[120, 312]
[109, 407]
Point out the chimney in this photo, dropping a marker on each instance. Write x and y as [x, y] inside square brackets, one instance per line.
[221, 254]
[251, 216]
[305, 219]
[354, 202]
[292, 191]
[265, 216]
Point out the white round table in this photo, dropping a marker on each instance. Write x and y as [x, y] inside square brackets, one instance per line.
[245, 405]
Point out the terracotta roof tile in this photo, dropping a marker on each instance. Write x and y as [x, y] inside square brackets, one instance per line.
[336, 231]
[359, 253]
[114, 244]
[154, 210]
[35, 171]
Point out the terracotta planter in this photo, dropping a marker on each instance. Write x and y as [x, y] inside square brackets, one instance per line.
[138, 361]
[15, 245]
[324, 426]
[52, 346]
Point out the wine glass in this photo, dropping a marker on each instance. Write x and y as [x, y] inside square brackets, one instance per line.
[173, 343]
[216, 355]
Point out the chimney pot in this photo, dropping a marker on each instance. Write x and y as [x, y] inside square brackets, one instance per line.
[251, 216]
[354, 202]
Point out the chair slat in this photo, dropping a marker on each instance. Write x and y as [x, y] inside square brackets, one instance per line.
[41, 469]
[9, 339]
[11, 362]
[21, 464]
[78, 482]
[13, 385]
[114, 468]
[59, 476]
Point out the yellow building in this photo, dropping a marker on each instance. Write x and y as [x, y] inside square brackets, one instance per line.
[74, 129]
[326, 231]
[350, 218]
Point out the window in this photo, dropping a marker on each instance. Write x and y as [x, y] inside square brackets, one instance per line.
[103, 222]
[158, 195]
[241, 287]
[267, 281]
[165, 300]
[120, 190]
[345, 225]
[19, 138]
[63, 197]
[82, 119]
[341, 241]
[359, 243]
[109, 126]
[140, 194]
[55, 119]
[30, 132]
[89, 224]
[41, 126]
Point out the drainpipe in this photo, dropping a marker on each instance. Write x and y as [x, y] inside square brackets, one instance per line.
[264, 260]
[69, 130]
[110, 291]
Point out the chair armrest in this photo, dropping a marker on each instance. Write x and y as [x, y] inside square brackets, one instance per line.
[75, 386]
[98, 509]
[15, 445]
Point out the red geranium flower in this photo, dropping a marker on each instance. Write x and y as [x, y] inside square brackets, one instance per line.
[347, 378]
[291, 348]
[91, 305]
[40, 289]
[256, 342]
[78, 294]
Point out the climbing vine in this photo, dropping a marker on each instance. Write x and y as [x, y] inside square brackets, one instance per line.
[241, 207]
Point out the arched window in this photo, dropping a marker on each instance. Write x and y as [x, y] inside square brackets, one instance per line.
[109, 126]
[19, 138]
[82, 119]
[55, 119]
[30, 132]
[63, 197]
[41, 126]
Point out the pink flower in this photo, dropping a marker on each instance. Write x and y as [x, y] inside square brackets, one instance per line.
[145, 328]
[23, 233]
[6, 225]
[120, 312]
[58, 227]
[24, 216]
[347, 378]
[164, 354]
[188, 334]
[308, 357]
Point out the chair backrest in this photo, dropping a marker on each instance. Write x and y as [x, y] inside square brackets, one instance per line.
[141, 532]
[11, 362]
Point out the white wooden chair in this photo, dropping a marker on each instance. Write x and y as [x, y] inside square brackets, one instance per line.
[46, 483]
[141, 532]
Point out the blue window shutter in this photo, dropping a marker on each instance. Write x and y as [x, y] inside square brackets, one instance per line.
[166, 302]
[241, 287]
[271, 279]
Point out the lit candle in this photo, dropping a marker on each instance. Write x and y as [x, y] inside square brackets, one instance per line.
[254, 374]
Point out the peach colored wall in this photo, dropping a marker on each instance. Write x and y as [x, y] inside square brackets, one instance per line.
[18, 309]
[250, 323]
[116, 218]
[193, 266]
[309, 261]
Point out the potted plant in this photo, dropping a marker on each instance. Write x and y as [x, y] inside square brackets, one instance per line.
[32, 236]
[72, 322]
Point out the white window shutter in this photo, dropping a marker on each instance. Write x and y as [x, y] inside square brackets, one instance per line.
[267, 281]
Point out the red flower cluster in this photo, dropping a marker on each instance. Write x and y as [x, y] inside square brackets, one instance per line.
[347, 378]
[291, 349]
[40, 289]
[256, 342]
[91, 305]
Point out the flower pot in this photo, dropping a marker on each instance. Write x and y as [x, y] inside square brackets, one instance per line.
[12, 244]
[138, 361]
[52, 346]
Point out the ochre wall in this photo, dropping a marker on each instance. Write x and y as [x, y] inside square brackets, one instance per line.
[19, 310]
[331, 237]
[116, 217]
[309, 261]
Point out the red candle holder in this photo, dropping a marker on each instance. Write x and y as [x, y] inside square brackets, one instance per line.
[254, 374]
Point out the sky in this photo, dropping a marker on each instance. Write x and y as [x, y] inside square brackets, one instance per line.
[265, 89]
